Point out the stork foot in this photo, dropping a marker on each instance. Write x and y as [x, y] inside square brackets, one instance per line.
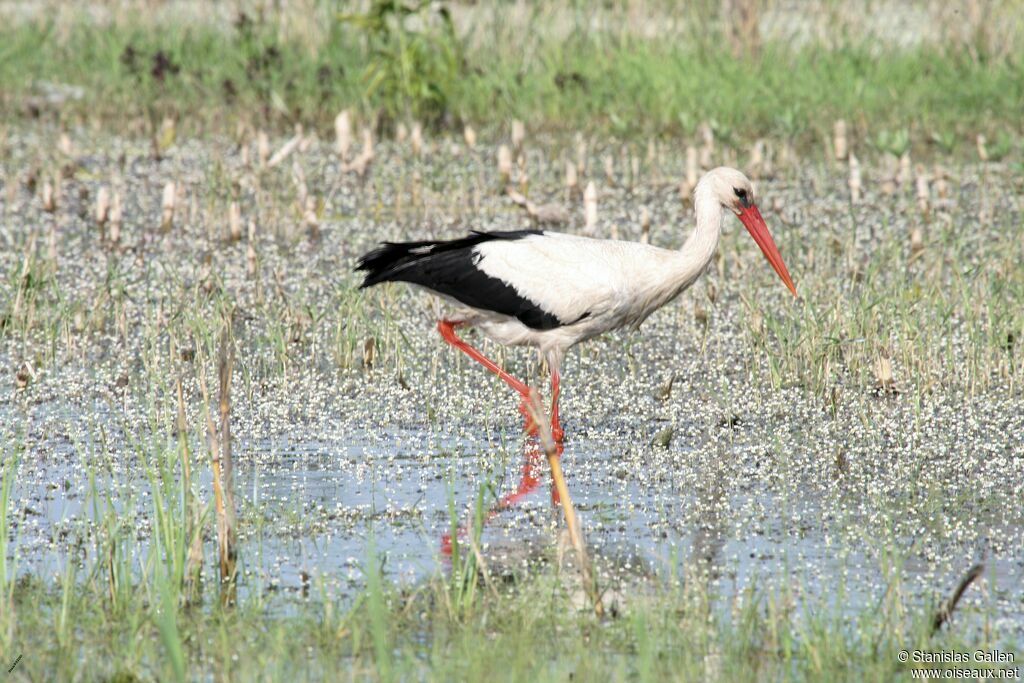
[529, 425]
[557, 433]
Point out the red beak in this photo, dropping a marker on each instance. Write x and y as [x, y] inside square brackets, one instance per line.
[755, 225]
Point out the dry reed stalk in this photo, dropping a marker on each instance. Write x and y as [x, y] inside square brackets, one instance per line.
[941, 182]
[692, 169]
[634, 171]
[923, 193]
[49, 196]
[167, 206]
[905, 174]
[361, 164]
[369, 352]
[571, 180]
[700, 315]
[757, 160]
[311, 219]
[287, 148]
[250, 251]
[367, 153]
[840, 143]
[416, 139]
[299, 179]
[855, 179]
[590, 209]
[581, 155]
[707, 149]
[306, 142]
[916, 242]
[220, 453]
[51, 246]
[262, 148]
[519, 200]
[542, 421]
[417, 189]
[524, 177]
[469, 135]
[890, 169]
[102, 213]
[518, 134]
[645, 225]
[609, 169]
[883, 373]
[343, 134]
[116, 217]
[982, 148]
[504, 164]
[786, 155]
[234, 222]
[64, 145]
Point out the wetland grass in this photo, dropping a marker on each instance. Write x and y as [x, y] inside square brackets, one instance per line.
[620, 78]
[472, 621]
[222, 464]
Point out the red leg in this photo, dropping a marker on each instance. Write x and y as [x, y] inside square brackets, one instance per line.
[531, 476]
[556, 425]
[527, 485]
[447, 330]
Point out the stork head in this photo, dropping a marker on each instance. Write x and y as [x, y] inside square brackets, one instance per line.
[734, 192]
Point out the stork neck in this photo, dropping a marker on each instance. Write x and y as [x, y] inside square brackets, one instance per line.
[700, 246]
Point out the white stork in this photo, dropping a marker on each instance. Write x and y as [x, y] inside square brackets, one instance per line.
[551, 290]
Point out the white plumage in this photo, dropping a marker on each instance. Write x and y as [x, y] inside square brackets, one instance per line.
[552, 290]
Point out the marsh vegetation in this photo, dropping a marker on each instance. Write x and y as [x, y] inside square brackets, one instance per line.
[769, 488]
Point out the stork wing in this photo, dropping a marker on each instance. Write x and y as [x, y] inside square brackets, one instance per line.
[574, 277]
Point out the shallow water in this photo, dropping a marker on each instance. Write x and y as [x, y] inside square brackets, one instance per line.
[720, 503]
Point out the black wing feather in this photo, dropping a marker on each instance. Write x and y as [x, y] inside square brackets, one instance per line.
[450, 268]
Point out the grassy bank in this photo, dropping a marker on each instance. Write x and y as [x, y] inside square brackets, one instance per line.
[608, 80]
[532, 632]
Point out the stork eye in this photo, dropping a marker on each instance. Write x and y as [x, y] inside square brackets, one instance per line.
[743, 196]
